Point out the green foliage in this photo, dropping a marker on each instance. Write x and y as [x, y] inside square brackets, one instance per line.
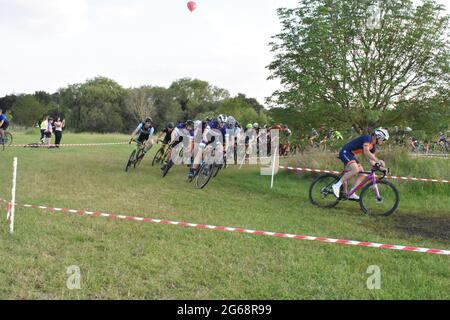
[27, 110]
[331, 56]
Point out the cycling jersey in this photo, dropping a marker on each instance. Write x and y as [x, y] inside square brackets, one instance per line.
[144, 134]
[5, 123]
[167, 136]
[215, 125]
[354, 147]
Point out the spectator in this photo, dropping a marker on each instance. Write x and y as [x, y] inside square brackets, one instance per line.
[44, 126]
[48, 131]
[59, 125]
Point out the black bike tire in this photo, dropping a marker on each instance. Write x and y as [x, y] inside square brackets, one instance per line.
[166, 169]
[200, 185]
[157, 159]
[130, 160]
[387, 213]
[138, 160]
[10, 140]
[311, 187]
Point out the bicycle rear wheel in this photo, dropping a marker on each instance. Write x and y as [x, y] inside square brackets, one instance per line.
[383, 206]
[204, 175]
[130, 160]
[321, 193]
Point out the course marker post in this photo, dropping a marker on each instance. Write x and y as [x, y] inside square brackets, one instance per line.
[273, 166]
[13, 198]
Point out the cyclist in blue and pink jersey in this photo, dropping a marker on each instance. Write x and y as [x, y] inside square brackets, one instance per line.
[366, 145]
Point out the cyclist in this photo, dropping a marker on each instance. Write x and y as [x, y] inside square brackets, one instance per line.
[167, 133]
[312, 136]
[145, 131]
[176, 137]
[220, 124]
[365, 144]
[4, 124]
[235, 134]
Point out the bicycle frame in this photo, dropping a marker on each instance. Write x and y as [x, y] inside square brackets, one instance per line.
[370, 177]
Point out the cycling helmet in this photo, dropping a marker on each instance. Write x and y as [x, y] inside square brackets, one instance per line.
[170, 125]
[148, 119]
[382, 133]
[277, 126]
[231, 122]
[189, 123]
[408, 129]
[249, 126]
[256, 125]
[222, 118]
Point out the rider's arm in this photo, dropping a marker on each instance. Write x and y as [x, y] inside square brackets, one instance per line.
[135, 132]
[371, 156]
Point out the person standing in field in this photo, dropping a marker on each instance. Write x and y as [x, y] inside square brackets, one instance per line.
[59, 125]
[48, 131]
[44, 125]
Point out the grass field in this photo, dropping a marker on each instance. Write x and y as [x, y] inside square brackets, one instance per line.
[130, 260]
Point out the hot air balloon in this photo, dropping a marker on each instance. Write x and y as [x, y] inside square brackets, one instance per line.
[192, 5]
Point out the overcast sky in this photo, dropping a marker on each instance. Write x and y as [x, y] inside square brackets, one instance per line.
[48, 44]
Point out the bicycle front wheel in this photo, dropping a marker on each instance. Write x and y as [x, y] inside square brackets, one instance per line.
[8, 139]
[385, 204]
[130, 160]
[139, 156]
[158, 157]
[204, 175]
[321, 192]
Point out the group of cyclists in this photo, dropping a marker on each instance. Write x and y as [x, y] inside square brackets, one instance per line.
[216, 133]
[213, 134]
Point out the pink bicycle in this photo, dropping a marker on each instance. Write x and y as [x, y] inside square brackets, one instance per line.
[378, 197]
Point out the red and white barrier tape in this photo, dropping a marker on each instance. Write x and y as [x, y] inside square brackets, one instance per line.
[239, 230]
[388, 177]
[65, 145]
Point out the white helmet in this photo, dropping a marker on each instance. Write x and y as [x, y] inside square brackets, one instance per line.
[231, 122]
[382, 133]
[256, 125]
[408, 129]
[222, 118]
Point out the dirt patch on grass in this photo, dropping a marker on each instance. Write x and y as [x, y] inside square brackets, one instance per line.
[435, 227]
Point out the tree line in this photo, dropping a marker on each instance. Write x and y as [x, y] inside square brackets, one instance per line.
[102, 105]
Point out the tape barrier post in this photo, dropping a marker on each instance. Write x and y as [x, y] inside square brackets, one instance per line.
[273, 167]
[13, 197]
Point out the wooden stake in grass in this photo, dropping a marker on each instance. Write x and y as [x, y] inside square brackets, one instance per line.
[12, 205]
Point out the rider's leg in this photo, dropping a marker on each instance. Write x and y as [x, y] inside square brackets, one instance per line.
[353, 169]
[148, 145]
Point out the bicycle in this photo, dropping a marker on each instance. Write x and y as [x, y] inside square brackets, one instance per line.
[136, 155]
[6, 140]
[161, 154]
[384, 201]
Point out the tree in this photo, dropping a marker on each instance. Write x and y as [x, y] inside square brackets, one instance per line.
[96, 105]
[356, 60]
[139, 103]
[7, 102]
[27, 110]
[196, 96]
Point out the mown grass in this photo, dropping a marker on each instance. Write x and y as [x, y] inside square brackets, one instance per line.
[130, 260]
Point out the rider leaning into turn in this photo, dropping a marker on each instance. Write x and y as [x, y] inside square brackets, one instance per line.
[145, 131]
[176, 137]
[366, 145]
[4, 124]
[167, 133]
[208, 137]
